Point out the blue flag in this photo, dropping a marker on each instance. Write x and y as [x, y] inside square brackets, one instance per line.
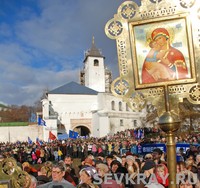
[140, 134]
[38, 142]
[73, 134]
[41, 122]
[33, 118]
[29, 140]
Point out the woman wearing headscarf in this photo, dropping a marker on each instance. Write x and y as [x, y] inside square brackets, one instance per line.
[87, 176]
[161, 172]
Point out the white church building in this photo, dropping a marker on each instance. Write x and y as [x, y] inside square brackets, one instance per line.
[88, 107]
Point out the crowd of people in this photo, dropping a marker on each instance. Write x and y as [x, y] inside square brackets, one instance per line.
[104, 162]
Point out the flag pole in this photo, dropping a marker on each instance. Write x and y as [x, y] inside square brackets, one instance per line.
[49, 132]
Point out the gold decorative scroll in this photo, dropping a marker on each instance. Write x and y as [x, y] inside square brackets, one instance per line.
[12, 175]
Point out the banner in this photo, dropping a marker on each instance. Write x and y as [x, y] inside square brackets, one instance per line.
[185, 147]
[148, 148]
[63, 136]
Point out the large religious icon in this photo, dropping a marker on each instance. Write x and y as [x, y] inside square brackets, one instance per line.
[163, 62]
[162, 52]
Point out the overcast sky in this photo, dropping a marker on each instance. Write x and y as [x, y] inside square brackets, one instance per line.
[42, 44]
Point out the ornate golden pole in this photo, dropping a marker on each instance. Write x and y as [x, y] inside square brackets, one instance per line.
[169, 122]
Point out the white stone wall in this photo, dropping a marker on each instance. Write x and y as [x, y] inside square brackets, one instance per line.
[72, 107]
[95, 122]
[109, 119]
[104, 127]
[13, 134]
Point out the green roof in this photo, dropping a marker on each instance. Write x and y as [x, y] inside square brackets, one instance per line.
[13, 124]
[4, 106]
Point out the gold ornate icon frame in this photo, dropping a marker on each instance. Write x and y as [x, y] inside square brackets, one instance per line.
[5, 184]
[140, 37]
[132, 27]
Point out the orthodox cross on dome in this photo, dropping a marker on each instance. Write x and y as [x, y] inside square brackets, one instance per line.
[94, 51]
[93, 40]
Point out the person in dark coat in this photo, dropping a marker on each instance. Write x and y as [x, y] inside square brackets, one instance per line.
[42, 176]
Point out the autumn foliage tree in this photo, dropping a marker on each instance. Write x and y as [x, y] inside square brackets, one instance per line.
[18, 113]
[22, 113]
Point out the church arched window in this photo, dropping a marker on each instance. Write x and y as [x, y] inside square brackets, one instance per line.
[135, 123]
[96, 62]
[121, 122]
[127, 108]
[120, 106]
[113, 105]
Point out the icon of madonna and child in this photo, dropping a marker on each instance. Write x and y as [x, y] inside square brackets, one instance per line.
[163, 62]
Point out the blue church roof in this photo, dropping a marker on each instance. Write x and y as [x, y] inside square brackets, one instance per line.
[73, 88]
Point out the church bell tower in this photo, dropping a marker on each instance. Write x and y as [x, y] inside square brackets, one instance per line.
[94, 73]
